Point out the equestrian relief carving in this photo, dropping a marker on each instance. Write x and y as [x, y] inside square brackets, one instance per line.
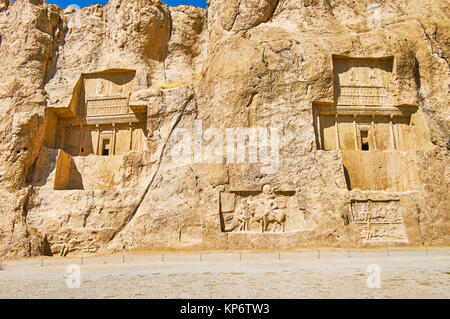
[262, 211]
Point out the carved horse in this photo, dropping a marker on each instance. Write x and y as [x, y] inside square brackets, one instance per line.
[240, 222]
[259, 216]
[278, 217]
[265, 219]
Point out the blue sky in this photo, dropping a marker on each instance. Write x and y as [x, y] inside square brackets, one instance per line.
[84, 3]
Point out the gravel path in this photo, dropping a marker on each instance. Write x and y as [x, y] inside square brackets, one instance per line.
[328, 274]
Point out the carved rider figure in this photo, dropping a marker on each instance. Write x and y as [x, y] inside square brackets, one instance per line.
[269, 203]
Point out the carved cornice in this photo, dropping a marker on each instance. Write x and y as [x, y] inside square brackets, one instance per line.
[346, 110]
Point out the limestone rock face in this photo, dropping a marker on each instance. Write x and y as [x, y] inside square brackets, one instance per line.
[240, 15]
[254, 124]
[4, 5]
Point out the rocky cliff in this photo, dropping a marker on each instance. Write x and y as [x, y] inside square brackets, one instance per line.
[301, 123]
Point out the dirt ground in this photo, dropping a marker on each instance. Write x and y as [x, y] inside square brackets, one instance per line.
[404, 273]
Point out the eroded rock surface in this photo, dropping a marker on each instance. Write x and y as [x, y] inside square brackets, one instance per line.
[93, 103]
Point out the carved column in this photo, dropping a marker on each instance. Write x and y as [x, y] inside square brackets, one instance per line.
[374, 134]
[392, 133]
[355, 132]
[338, 145]
[80, 142]
[400, 140]
[113, 146]
[316, 117]
[98, 139]
[131, 136]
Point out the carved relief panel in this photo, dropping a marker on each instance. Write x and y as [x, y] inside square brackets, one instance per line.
[379, 221]
[264, 211]
[107, 94]
[363, 81]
